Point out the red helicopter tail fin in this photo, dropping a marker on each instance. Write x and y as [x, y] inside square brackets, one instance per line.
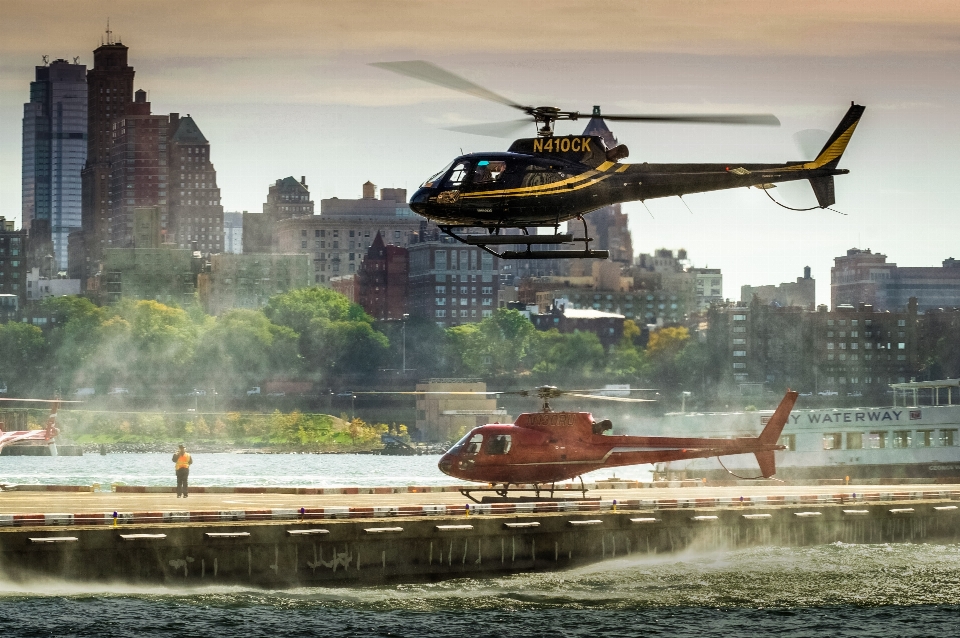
[771, 433]
[768, 466]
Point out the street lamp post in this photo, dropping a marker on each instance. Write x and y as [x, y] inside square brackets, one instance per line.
[683, 405]
[403, 330]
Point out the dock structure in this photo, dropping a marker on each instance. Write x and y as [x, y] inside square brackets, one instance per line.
[265, 540]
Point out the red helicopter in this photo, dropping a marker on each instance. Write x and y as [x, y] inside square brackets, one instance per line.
[45, 436]
[544, 447]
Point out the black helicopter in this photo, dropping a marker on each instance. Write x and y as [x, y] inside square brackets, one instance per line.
[545, 181]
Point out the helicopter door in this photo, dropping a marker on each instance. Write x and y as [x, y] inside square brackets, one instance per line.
[525, 181]
[482, 193]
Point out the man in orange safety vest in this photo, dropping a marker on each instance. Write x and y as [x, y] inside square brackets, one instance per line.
[183, 462]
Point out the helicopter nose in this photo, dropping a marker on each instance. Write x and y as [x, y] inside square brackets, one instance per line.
[419, 199]
[446, 464]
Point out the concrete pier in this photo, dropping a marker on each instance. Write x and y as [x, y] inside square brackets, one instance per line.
[275, 544]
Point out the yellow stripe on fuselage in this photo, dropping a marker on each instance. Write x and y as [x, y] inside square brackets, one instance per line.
[565, 186]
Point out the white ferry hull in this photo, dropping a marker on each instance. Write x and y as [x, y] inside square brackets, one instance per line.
[875, 445]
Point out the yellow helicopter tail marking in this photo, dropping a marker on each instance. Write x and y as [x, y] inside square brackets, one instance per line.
[830, 154]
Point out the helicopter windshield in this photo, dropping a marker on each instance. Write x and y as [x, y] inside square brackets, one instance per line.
[436, 177]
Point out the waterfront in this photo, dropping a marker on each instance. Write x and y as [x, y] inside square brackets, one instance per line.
[225, 469]
[837, 589]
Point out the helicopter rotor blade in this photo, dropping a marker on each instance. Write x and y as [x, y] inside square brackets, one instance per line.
[493, 129]
[754, 119]
[39, 400]
[429, 72]
[810, 141]
[605, 398]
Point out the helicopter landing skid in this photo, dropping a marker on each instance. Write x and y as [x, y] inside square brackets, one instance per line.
[503, 494]
[485, 241]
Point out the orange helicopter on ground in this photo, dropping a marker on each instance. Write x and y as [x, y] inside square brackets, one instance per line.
[544, 447]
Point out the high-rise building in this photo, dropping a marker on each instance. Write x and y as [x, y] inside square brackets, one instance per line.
[109, 91]
[451, 283]
[54, 153]
[138, 169]
[382, 280]
[195, 213]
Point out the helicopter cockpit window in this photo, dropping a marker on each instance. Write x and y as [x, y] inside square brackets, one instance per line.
[456, 177]
[473, 445]
[488, 172]
[436, 177]
[499, 444]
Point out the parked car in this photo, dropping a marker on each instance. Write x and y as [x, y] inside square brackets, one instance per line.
[84, 392]
[277, 394]
[828, 393]
[254, 390]
[118, 391]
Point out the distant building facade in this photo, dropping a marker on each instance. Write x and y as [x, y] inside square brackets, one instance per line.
[801, 294]
[382, 280]
[608, 326]
[863, 277]
[233, 232]
[286, 199]
[248, 281]
[138, 168]
[13, 261]
[39, 287]
[339, 237]
[195, 213]
[846, 351]
[54, 154]
[451, 283]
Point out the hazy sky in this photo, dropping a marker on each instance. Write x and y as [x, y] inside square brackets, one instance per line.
[284, 88]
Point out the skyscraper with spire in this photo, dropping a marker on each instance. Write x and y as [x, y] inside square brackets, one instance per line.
[109, 91]
[54, 153]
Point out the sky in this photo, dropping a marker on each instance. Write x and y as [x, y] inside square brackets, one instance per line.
[285, 88]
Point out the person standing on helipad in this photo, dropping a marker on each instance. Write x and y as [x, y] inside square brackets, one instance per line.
[183, 462]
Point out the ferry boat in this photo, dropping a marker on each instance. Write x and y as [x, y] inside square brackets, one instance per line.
[905, 443]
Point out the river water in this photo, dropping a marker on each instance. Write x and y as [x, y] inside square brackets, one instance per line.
[835, 590]
[224, 469]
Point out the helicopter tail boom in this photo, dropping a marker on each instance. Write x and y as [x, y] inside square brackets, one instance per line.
[771, 434]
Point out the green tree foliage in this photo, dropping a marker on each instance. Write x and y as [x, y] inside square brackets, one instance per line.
[497, 346]
[335, 335]
[566, 358]
[22, 349]
[244, 347]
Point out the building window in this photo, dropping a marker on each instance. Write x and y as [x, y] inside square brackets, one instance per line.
[739, 317]
[854, 334]
[739, 342]
[739, 353]
[789, 441]
[901, 346]
[441, 312]
[440, 301]
[830, 346]
[739, 366]
[924, 438]
[948, 438]
[901, 322]
[739, 329]
[854, 440]
[829, 322]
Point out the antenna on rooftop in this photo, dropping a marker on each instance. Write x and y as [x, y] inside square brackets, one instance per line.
[46, 59]
[109, 33]
[76, 60]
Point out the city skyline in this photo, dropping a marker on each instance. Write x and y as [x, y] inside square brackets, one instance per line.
[277, 97]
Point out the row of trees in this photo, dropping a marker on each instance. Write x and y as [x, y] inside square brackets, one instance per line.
[318, 335]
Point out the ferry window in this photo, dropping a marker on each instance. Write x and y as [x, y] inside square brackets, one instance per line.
[877, 440]
[499, 444]
[832, 441]
[854, 440]
[901, 438]
[473, 445]
[789, 441]
[948, 438]
[924, 438]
